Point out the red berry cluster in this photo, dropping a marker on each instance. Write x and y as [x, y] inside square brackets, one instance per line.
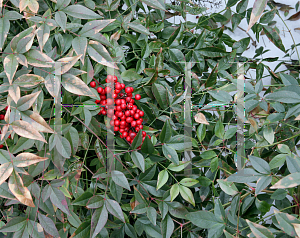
[127, 118]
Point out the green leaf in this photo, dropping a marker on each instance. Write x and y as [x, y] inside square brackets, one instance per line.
[201, 132]
[230, 133]
[163, 177]
[170, 154]
[137, 141]
[262, 183]
[219, 129]
[269, 134]
[98, 220]
[100, 54]
[42, 33]
[130, 75]
[61, 20]
[167, 226]
[289, 181]
[188, 182]
[214, 164]
[83, 230]
[59, 200]
[155, 4]
[277, 161]
[160, 94]
[221, 96]
[203, 219]
[4, 29]
[75, 85]
[187, 194]
[260, 165]
[212, 78]
[25, 43]
[166, 132]
[151, 214]
[38, 59]
[82, 12]
[138, 160]
[114, 208]
[228, 187]
[288, 79]
[79, 45]
[274, 37]
[15, 224]
[48, 225]
[241, 45]
[25, 102]
[93, 27]
[28, 80]
[119, 178]
[139, 28]
[284, 96]
[259, 230]
[147, 146]
[231, 3]
[174, 191]
[285, 221]
[262, 206]
[10, 64]
[293, 163]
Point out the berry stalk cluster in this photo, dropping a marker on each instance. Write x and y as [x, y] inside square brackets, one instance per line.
[126, 117]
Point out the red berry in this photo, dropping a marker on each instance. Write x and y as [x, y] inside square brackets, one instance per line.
[107, 90]
[128, 138]
[116, 128]
[129, 119]
[118, 102]
[144, 133]
[97, 101]
[9, 136]
[102, 97]
[109, 78]
[122, 85]
[136, 116]
[6, 108]
[103, 112]
[137, 97]
[127, 113]
[93, 84]
[2, 117]
[109, 101]
[125, 134]
[134, 107]
[128, 99]
[99, 90]
[115, 78]
[141, 113]
[133, 123]
[127, 90]
[1, 146]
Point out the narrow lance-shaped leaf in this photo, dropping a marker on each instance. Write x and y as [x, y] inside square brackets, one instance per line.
[82, 12]
[163, 177]
[75, 85]
[93, 27]
[48, 225]
[274, 37]
[4, 29]
[43, 33]
[98, 221]
[258, 9]
[10, 66]
[25, 159]
[80, 45]
[25, 102]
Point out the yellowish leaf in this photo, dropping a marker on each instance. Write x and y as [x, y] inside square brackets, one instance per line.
[4, 131]
[18, 189]
[257, 10]
[37, 121]
[68, 62]
[297, 118]
[14, 92]
[200, 118]
[23, 128]
[5, 171]
[25, 159]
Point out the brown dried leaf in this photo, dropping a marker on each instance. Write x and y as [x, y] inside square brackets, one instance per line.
[294, 17]
[24, 129]
[5, 171]
[200, 118]
[25, 159]
[18, 189]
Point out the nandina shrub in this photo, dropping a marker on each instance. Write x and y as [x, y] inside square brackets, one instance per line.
[106, 131]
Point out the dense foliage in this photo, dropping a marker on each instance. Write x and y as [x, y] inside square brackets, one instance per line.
[54, 175]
